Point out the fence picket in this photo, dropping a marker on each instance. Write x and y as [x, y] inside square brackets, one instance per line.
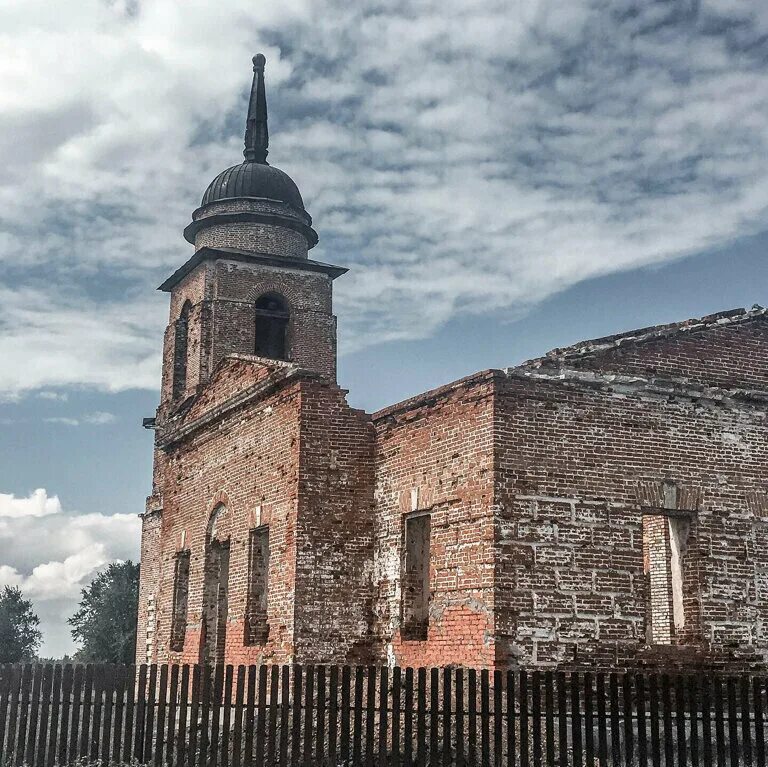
[485, 736]
[121, 675]
[274, 692]
[549, 708]
[320, 718]
[589, 720]
[250, 702]
[181, 733]
[296, 716]
[602, 730]
[680, 720]
[757, 702]
[227, 715]
[215, 714]
[58, 670]
[576, 737]
[357, 724]
[171, 713]
[719, 722]
[706, 721]
[309, 694]
[746, 729]
[45, 709]
[31, 711]
[472, 718]
[130, 702]
[408, 719]
[108, 685]
[536, 716]
[285, 693]
[194, 725]
[160, 714]
[434, 713]
[396, 693]
[344, 727]
[333, 712]
[653, 707]
[460, 760]
[237, 734]
[383, 714]
[562, 720]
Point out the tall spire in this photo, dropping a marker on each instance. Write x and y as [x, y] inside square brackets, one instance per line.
[256, 132]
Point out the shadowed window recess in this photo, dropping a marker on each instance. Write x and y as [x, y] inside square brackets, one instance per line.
[180, 351]
[256, 623]
[670, 569]
[271, 326]
[415, 590]
[180, 598]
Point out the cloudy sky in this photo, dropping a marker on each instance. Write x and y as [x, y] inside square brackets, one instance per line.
[501, 178]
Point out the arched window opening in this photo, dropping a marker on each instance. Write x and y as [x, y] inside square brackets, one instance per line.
[271, 327]
[180, 347]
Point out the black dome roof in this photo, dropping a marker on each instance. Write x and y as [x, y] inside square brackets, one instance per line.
[254, 179]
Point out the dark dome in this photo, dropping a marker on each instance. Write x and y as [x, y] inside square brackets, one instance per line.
[254, 179]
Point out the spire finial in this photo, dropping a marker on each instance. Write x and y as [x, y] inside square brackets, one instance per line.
[256, 132]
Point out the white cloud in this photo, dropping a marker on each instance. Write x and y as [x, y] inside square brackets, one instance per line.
[38, 504]
[63, 420]
[99, 418]
[462, 157]
[52, 555]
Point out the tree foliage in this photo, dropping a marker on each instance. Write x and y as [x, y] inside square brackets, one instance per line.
[19, 633]
[105, 623]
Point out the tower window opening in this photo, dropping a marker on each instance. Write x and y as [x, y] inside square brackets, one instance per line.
[180, 351]
[271, 327]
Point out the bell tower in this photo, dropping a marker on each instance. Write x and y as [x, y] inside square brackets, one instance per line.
[250, 288]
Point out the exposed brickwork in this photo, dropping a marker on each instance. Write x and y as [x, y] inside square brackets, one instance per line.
[262, 238]
[602, 506]
[436, 454]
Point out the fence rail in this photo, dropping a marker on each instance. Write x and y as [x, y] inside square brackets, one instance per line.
[376, 716]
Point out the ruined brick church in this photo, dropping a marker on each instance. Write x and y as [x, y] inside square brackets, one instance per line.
[601, 506]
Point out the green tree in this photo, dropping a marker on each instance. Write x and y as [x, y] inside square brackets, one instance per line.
[105, 623]
[19, 635]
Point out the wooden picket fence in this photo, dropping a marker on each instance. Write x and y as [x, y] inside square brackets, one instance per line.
[375, 716]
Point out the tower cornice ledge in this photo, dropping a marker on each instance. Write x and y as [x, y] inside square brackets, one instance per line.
[212, 254]
[251, 217]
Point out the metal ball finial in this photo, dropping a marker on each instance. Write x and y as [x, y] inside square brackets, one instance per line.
[259, 60]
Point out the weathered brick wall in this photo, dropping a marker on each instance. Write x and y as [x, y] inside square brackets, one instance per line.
[296, 458]
[311, 328]
[727, 352]
[222, 320]
[259, 238]
[334, 533]
[576, 466]
[149, 585]
[435, 453]
[195, 288]
[248, 459]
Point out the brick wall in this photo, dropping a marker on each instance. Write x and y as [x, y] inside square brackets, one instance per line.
[334, 588]
[576, 467]
[435, 453]
[727, 352]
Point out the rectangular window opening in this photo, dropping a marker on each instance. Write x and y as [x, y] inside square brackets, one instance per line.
[665, 543]
[180, 598]
[415, 587]
[256, 622]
